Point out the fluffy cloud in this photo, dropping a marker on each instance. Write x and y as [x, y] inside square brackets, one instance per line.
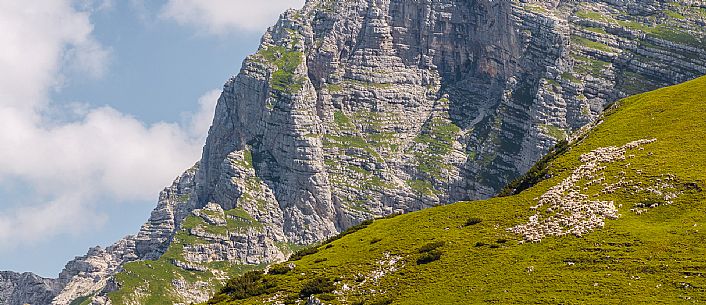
[221, 16]
[72, 156]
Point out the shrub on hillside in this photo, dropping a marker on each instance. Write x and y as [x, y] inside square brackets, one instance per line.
[472, 221]
[279, 269]
[431, 246]
[250, 284]
[430, 252]
[317, 286]
[303, 252]
[428, 257]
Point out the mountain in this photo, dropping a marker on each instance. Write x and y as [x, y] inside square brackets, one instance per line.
[355, 109]
[618, 218]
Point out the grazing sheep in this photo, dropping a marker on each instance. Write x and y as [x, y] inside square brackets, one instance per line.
[572, 212]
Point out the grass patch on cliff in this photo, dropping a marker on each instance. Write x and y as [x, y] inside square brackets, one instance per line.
[286, 61]
[656, 257]
[421, 187]
[590, 43]
[555, 132]
[433, 145]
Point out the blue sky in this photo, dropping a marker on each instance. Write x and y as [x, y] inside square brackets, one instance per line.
[102, 104]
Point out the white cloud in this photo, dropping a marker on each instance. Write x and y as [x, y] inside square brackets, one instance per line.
[200, 122]
[221, 16]
[34, 36]
[88, 153]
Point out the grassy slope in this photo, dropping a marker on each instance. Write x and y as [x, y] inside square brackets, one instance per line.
[656, 257]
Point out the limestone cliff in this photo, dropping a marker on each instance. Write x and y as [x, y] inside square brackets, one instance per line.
[353, 109]
[26, 288]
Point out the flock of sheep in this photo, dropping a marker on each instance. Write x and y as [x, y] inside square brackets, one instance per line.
[566, 209]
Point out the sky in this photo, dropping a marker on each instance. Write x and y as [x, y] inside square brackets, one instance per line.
[102, 104]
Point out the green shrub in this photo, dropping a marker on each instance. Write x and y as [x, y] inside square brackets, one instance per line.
[428, 257]
[431, 246]
[303, 252]
[250, 284]
[317, 286]
[501, 241]
[479, 244]
[318, 260]
[375, 240]
[279, 269]
[472, 221]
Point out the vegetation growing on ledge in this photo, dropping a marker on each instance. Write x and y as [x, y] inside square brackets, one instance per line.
[434, 144]
[421, 187]
[555, 132]
[286, 61]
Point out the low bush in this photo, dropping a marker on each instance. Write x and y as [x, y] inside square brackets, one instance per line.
[250, 284]
[317, 286]
[302, 253]
[472, 221]
[375, 240]
[431, 246]
[428, 257]
[279, 269]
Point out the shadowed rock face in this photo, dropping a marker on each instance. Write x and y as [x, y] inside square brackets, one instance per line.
[359, 108]
[26, 288]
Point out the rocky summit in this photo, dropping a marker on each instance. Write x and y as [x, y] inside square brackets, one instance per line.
[355, 109]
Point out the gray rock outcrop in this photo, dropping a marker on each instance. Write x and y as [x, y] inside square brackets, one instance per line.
[26, 288]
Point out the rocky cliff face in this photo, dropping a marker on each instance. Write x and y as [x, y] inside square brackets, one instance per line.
[26, 288]
[353, 109]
